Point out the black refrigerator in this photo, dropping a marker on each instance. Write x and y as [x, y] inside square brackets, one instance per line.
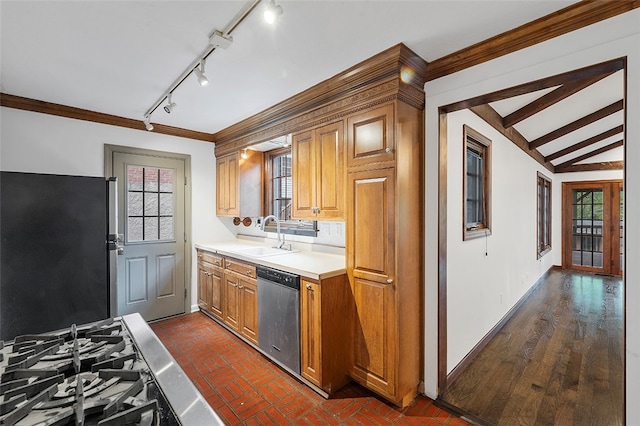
[57, 251]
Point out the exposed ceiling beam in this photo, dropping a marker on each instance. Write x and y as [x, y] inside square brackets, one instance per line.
[494, 119]
[551, 98]
[569, 77]
[584, 121]
[583, 157]
[590, 167]
[569, 19]
[585, 143]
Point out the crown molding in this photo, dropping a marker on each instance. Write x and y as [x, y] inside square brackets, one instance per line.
[34, 105]
[571, 18]
[366, 83]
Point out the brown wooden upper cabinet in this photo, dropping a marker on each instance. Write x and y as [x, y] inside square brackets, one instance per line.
[227, 186]
[370, 137]
[239, 184]
[318, 173]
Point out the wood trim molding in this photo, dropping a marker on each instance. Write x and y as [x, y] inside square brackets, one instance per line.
[369, 83]
[34, 105]
[569, 19]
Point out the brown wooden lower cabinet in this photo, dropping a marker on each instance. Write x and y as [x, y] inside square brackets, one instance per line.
[210, 283]
[325, 317]
[241, 303]
[227, 291]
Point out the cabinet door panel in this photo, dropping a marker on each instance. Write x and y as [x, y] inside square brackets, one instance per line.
[330, 171]
[303, 170]
[310, 334]
[221, 186]
[203, 301]
[217, 286]
[370, 137]
[371, 252]
[231, 300]
[232, 188]
[248, 309]
[374, 336]
[227, 186]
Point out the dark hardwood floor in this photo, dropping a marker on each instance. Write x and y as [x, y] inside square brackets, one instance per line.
[557, 361]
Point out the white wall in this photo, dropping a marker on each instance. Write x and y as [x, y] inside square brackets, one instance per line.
[613, 38]
[485, 287]
[40, 143]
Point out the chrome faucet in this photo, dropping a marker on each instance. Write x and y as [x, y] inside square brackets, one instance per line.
[280, 242]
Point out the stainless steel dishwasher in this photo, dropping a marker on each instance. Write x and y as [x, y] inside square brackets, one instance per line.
[279, 316]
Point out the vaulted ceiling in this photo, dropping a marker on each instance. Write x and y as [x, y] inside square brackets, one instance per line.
[568, 122]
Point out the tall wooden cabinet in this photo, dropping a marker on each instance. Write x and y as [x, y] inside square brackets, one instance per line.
[384, 247]
[318, 173]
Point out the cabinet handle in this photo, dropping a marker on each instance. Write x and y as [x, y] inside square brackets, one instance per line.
[388, 149]
[389, 281]
[309, 287]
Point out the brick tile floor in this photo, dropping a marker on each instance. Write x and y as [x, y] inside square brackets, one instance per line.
[245, 388]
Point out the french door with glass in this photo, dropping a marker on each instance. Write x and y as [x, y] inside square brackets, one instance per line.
[593, 225]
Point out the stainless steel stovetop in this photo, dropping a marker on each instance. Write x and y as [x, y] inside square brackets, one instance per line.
[109, 373]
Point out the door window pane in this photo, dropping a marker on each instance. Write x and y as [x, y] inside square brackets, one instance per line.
[587, 227]
[150, 204]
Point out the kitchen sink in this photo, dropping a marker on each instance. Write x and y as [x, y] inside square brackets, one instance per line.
[263, 251]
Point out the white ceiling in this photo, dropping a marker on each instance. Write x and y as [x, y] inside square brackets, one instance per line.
[118, 57]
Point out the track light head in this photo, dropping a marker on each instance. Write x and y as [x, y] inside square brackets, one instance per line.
[170, 106]
[147, 123]
[272, 12]
[199, 72]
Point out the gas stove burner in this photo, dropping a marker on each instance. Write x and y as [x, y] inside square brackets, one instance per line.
[97, 374]
[90, 375]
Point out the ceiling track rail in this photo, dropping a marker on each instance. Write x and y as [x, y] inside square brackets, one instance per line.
[231, 26]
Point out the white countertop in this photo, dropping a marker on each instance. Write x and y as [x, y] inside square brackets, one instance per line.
[309, 264]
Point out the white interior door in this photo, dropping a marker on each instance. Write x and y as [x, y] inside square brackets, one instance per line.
[151, 198]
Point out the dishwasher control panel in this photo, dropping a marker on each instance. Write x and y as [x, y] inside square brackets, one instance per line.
[284, 278]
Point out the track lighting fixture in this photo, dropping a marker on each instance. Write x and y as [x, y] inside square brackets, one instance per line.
[147, 123]
[199, 72]
[218, 39]
[272, 12]
[170, 106]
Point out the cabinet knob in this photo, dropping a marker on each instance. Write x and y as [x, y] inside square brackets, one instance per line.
[389, 281]
[240, 287]
[388, 149]
[199, 256]
[248, 273]
[309, 287]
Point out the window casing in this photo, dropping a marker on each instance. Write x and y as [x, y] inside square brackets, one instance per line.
[279, 191]
[544, 215]
[476, 184]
